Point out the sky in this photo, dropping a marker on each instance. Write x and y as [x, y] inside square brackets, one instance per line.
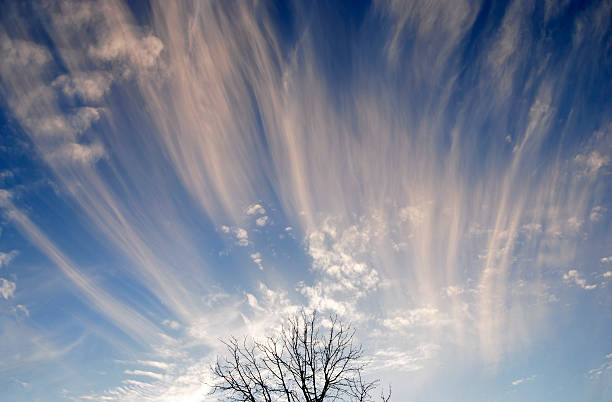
[438, 173]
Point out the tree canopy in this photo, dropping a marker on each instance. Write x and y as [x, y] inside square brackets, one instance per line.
[307, 360]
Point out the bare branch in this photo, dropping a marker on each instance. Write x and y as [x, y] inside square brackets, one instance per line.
[302, 363]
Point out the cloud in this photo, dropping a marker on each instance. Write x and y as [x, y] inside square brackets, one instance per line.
[402, 360]
[90, 87]
[607, 274]
[425, 316]
[6, 258]
[573, 276]
[597, 213]
[7, 288]
[523, 380]
[261, 221]
[138, 51]
[21, 309]
[171, 324]
[255, 209]
[79, 154]
[256, 257]
[606, 259]
[22, 54]
[242, 236]
[142, 373]
[593, 162]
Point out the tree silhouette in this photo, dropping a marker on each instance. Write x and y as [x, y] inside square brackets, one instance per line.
[304, 362]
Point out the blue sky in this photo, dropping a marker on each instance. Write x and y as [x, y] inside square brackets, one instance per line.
[436, 172]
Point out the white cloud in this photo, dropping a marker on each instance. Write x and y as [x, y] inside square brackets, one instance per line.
[171, 324]
[68, 127]
[242, 236]
[256, 257]
[424, 317]
[413, 214]
[607, 274]
[22, 54]
[140, 52]
[592, 162]
[606, 259]
[255, 209]
[522, 380]
[405, 360]
[90, 87]
[261, 221]
[150, 374]
[454, 291]
[7, 288]
[225, 229]
[6, 258]
[21, 309]
[79, 154]
[573, 276]
[153, 363]
[597, 213]
[574, 223]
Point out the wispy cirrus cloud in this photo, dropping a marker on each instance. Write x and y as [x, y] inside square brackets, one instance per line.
[437, 173]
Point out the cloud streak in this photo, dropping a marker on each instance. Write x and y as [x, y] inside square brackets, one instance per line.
[439, 172]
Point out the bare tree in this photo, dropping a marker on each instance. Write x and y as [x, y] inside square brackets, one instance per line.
[304, 362]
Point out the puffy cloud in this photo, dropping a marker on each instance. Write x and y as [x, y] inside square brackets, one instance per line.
[255, 209]
[140, 52]
[90, 87]
[242, 236]
[573, 276]
[80, 154]
[7, 288]
[256, 257]
[597, 213]
[6, 258]
[53, 126]
[143, 373]
[522, 380]
[425, 316]
[607, 274]
[606, 259]
[22, 54]
[405, 360]
[261, 221]
[592, 162]
[412, 214]
[21, 309]
[171, 324]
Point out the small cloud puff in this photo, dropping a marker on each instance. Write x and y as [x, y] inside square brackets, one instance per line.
[242, 236]
[20, 53]
[522, 380]
[261, 221]
[573, 276]
[91, 87]
[7, 288]
[606, 259]
[6, 258]
[171, 324]
[255, 209]
[597, 213]
[592, 162]
[225, 229]
[256, 257]
[79, 154]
